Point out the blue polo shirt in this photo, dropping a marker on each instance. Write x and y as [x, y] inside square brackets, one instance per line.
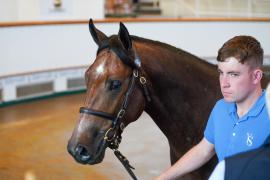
[230, 134]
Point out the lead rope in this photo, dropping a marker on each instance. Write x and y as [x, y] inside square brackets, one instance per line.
[114, 143]
[125, 163]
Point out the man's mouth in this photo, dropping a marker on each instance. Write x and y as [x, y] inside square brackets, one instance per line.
[226, 93]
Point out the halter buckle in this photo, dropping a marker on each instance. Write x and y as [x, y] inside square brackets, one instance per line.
[122, 126]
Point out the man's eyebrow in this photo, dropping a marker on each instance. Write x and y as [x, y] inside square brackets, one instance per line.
[233, 72]
[219, 70]
[230, 72]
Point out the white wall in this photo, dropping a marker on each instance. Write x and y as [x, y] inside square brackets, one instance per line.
[37, 48]
[27, 10]
[8, 10]
[34, 49]
[33, 10]
[84, 9]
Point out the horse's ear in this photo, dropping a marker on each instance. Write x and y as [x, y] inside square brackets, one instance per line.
[97, 35]
[124, 36]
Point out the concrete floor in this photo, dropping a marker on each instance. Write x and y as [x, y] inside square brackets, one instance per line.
[34, 135]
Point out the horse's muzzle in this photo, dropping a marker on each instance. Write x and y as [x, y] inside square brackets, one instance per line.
[82, 155]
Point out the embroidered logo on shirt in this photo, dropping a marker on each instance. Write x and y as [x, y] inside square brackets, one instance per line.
[249, 139]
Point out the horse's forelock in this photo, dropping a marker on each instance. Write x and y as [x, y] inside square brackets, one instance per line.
[116, 46]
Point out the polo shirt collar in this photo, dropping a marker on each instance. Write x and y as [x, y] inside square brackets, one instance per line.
[232, 108]
[258, 106]
[254, 111]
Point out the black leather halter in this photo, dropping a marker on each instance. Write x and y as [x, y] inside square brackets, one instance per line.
[114, 141]
[121, 112]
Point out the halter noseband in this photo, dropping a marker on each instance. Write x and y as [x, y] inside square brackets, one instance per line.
[114, 141]
[84, 110]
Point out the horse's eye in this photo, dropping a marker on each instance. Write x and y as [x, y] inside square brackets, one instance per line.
[115, 84]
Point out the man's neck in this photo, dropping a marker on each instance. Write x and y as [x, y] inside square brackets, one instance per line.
[246, 105]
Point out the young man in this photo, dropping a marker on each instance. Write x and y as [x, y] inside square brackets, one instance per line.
[250, 165]
[239, 122]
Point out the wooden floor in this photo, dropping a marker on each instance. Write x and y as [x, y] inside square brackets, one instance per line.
[34, 135]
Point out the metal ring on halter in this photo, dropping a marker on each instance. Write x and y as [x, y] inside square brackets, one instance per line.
[135, 73]
[122, 126]
[142, 80]
[106, 137]
[121, 113]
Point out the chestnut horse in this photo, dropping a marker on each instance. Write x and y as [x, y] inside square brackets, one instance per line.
[131, 75]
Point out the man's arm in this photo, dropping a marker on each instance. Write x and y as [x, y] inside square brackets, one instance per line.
[192, 160]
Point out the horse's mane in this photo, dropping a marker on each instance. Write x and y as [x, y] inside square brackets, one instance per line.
[177, 53]
[172, 49]
[173, 53]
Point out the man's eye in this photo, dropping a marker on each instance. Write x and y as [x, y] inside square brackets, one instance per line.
[114, 85]
[234, 74]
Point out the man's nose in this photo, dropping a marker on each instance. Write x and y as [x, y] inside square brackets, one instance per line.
[224, 81]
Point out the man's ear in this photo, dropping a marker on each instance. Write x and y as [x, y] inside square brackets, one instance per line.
[257, 76]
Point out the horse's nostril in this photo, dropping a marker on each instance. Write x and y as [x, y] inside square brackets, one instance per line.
[82, 152]
[70, 150]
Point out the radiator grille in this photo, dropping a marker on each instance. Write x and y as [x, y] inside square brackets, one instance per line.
[34, 89]
[76, 83]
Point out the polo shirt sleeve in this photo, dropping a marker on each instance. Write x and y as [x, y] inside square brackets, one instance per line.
[209, 130]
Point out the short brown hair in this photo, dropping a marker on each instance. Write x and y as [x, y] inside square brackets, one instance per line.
[244, 48]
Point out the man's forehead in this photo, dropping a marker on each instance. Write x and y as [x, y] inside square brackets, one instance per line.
[232, 64]
[231, 60]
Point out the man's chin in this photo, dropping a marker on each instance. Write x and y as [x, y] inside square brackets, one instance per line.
[229, 100]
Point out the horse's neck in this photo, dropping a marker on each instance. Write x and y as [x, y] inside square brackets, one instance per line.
[183, 93]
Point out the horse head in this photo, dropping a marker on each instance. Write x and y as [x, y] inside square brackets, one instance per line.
[114, 98]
